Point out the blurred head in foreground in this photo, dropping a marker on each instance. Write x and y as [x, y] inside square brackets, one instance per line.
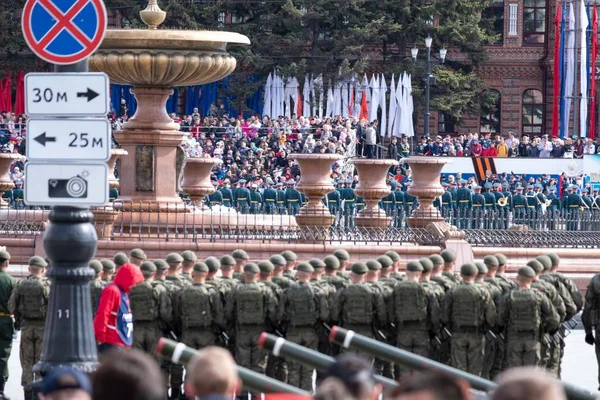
[212, 373]
[350, 377]
[527, 383]
[430, 386]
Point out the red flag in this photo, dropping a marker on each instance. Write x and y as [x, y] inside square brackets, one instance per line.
[556, 96]
[20, 99]
[6, 94]
[299, 105]
[2, 107]
[364, 109]
[592, 116]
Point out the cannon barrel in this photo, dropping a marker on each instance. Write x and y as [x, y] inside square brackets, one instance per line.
[319, 361]
[381, 350]
[179, 353]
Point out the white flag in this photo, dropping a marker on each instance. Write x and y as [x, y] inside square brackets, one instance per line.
[306, 97]
[344, 100]
[398, 117]
[583, 104]
[330, 101]
[382, 103]
[570, 73]
[410, 130]
[267, 100]
[391, 119]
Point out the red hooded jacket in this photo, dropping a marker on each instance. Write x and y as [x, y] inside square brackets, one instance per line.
[128, 276]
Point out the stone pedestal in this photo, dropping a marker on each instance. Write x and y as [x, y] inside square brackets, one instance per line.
[6, 159]
[105, 216]
[372, 186]
[426, 186]
[196, 179]
[315, 182]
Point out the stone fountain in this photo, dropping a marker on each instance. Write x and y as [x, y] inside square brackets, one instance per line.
[372, 186]
[155, 61]
[6, 159]
[196, 179]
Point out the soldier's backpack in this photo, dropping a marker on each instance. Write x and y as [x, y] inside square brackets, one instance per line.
[301, 307]
[410, 302]
[250, 304]
[144, 306]
[358, 307]
[466, 306]
[33, 303]
[196, 307]
[524, 310]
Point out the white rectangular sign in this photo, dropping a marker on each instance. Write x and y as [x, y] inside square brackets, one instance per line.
[68, 139]
[67, 94]
[66, 184]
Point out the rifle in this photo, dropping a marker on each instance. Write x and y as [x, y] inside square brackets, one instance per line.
[436, 342]
[572, 323]
[491, 336]
[446, 334]
[382, 335]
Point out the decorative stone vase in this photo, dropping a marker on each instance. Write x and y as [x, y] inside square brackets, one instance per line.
[105, 216]
[196, 178]
[113, 182]
[6, 159]
[426, 186]
[315, 182]
[372, 186]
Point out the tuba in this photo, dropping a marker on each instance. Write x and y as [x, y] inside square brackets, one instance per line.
[502, 201]
[548, 202]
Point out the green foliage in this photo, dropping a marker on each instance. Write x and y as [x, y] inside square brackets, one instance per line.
[10, 27]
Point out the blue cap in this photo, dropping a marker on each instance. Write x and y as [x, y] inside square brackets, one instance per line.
[488, 185]
[477, 187]
[529, 187]
[584, 191]
[349, 180]
[537, 186]
[241, 181]
[552, 188]
[63, 378]
[392, 183]
[445, 184]
[463, 182]
[291, 182]
[595, 189]
[279, 184]
[519, 187]
[505, 185]
[496, 185]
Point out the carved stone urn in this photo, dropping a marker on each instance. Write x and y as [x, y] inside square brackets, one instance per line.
[6, 159]
[426, 186]
[105, 216]
[315, 182]
[196, 179]
[372, 186]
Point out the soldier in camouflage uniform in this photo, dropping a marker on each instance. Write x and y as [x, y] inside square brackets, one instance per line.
[524, 314]
[198, 311]
[108, 271]
[136, 257]
[96, 284]
[226, 284]
[250, 307]
[449, 257]
[437, 275]
[120, 259]
[469, 312]
[396, 274]
[437, 290]
[332, 263]
[29, 304]
[385, 275]
[507, 284]
[290, 264]
[344, 258]
[591, 317]
[7, 285]
[241, 258]
[213, 264]
[278, 266]
[189, 259]
[302, 307]
[357, 307]
[415, 312]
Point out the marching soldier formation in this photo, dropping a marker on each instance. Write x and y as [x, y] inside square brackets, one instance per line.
[476, 320]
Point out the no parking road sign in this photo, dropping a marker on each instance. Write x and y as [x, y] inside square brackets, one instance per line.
[64, 31]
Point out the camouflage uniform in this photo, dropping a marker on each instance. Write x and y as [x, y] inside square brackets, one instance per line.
[7, 285]
[96, 285]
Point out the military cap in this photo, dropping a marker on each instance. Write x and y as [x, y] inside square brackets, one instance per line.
[537, 186]
[96, 266]
[502, 260]
[317, 263]
[289, 255]
[526, 271]
[505, 185]
[241, 181]
[291, 182]
[212, 263]
[445, 184]
[481, 267]
[107, 265]
[491, 261]
[189, 255]
[555, 259]
[477, 187]
[349, 181]
[265, 266]
[414, 266]
[496, 185]
[553, 188]
[468, 270]
[120, 259]
[463, 181]
[251, 268]
[373, 265]
[201, 267]
[173, 258]
[227, 261]
[546, 262]
[161, 265]
[426, 263]
[240, 254]
[38, 261]
[148, 266]
[448, 255]
[4, 255]
[341, 254]
[488, 185]
[584, 191]
[536, 265]
[331, 262]
[359, 268]
[137, 253]
[385, 261]
[277, 260]
[304, 267]
[519, 187]
[393, 255]
[436, 259]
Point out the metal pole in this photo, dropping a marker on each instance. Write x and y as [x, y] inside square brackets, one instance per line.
[70, 243]
[427, 85]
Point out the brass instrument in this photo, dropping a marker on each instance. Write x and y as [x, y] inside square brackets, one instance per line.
[502, 201]
[548, 202]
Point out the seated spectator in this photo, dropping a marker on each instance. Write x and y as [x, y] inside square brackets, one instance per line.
[65, 383]
[130, 375]
[527, 383]
[212, 374]
[430, 386]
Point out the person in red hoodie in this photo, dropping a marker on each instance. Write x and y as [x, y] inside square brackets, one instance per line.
[113, 323]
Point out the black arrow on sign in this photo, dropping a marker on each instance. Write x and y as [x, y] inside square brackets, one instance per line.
[43, 139]
[90, 94]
